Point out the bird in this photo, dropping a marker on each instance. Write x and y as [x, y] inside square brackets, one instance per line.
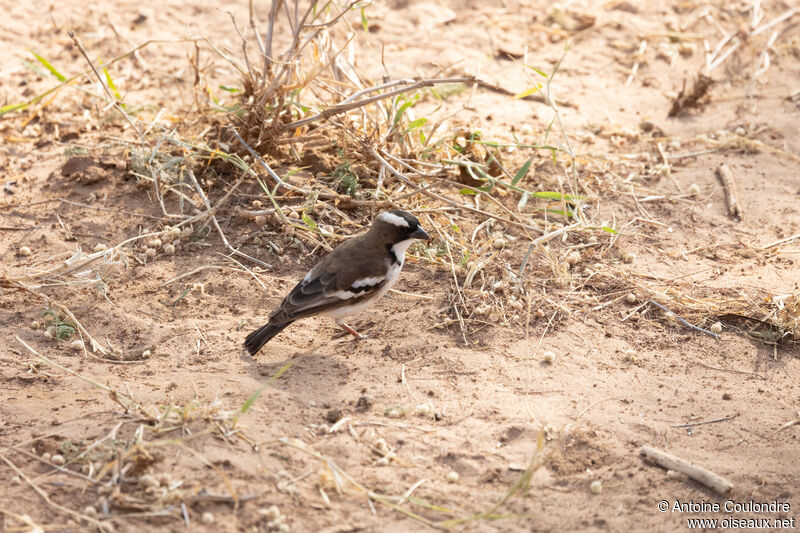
[351, 278]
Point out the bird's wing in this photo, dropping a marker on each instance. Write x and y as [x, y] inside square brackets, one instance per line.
[332, 284]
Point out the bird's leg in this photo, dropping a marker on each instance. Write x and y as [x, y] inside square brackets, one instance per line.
[350, 330]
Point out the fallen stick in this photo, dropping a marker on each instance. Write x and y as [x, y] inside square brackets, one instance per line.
[703, 422]
[731, 194]
[697, 473]
[681, 320]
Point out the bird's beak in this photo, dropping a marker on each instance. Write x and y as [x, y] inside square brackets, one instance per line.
[419, 233]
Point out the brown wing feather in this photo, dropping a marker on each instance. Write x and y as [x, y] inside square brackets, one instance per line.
[316, 293]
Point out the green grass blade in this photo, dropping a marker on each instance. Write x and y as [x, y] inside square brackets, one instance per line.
[537, 71]
[111, 85]
[49, 67]
[13, 107]
[535, 89]
[414, 124]
[553, 195]
[309, 221]
[404, 107]
[253, 397]
[522, 172]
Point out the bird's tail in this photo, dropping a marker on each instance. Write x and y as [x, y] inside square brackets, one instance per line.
[262, 335]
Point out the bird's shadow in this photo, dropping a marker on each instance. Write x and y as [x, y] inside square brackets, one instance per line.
[311, 375]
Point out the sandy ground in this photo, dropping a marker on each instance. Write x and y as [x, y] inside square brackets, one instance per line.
[622, 376]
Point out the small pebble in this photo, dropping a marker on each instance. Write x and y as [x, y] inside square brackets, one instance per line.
[207, 518]
[596, 487]
[574, 257]
[526, 129]
[727, 396]
[716, 327]
[146, 354]
[386, 459]
[423, 409]
[394, 412]
[694, 189]
[452, 476]
[630, 298]
[24, 251]
[687, 49]
[364, 403]
[381, 446]
[77, 344]
[271, 513]
[46, 456]
[58, 460]
[148, 480]
[548, 357]
[16, 480]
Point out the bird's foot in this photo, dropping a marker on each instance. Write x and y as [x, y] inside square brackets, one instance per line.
[350, 330]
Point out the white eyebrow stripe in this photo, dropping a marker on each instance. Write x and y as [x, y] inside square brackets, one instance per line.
[391, 218]
[367, 282]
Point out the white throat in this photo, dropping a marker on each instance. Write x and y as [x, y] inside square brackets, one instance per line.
[399, 250]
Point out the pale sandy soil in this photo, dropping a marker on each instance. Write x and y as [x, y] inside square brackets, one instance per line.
[620, 379]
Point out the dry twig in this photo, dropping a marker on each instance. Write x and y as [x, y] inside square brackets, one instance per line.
[699, 474]
[731, 192]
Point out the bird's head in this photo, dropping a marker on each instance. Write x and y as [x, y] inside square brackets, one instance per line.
[398, 226]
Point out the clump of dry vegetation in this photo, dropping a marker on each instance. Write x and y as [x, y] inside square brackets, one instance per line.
[330, 148]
